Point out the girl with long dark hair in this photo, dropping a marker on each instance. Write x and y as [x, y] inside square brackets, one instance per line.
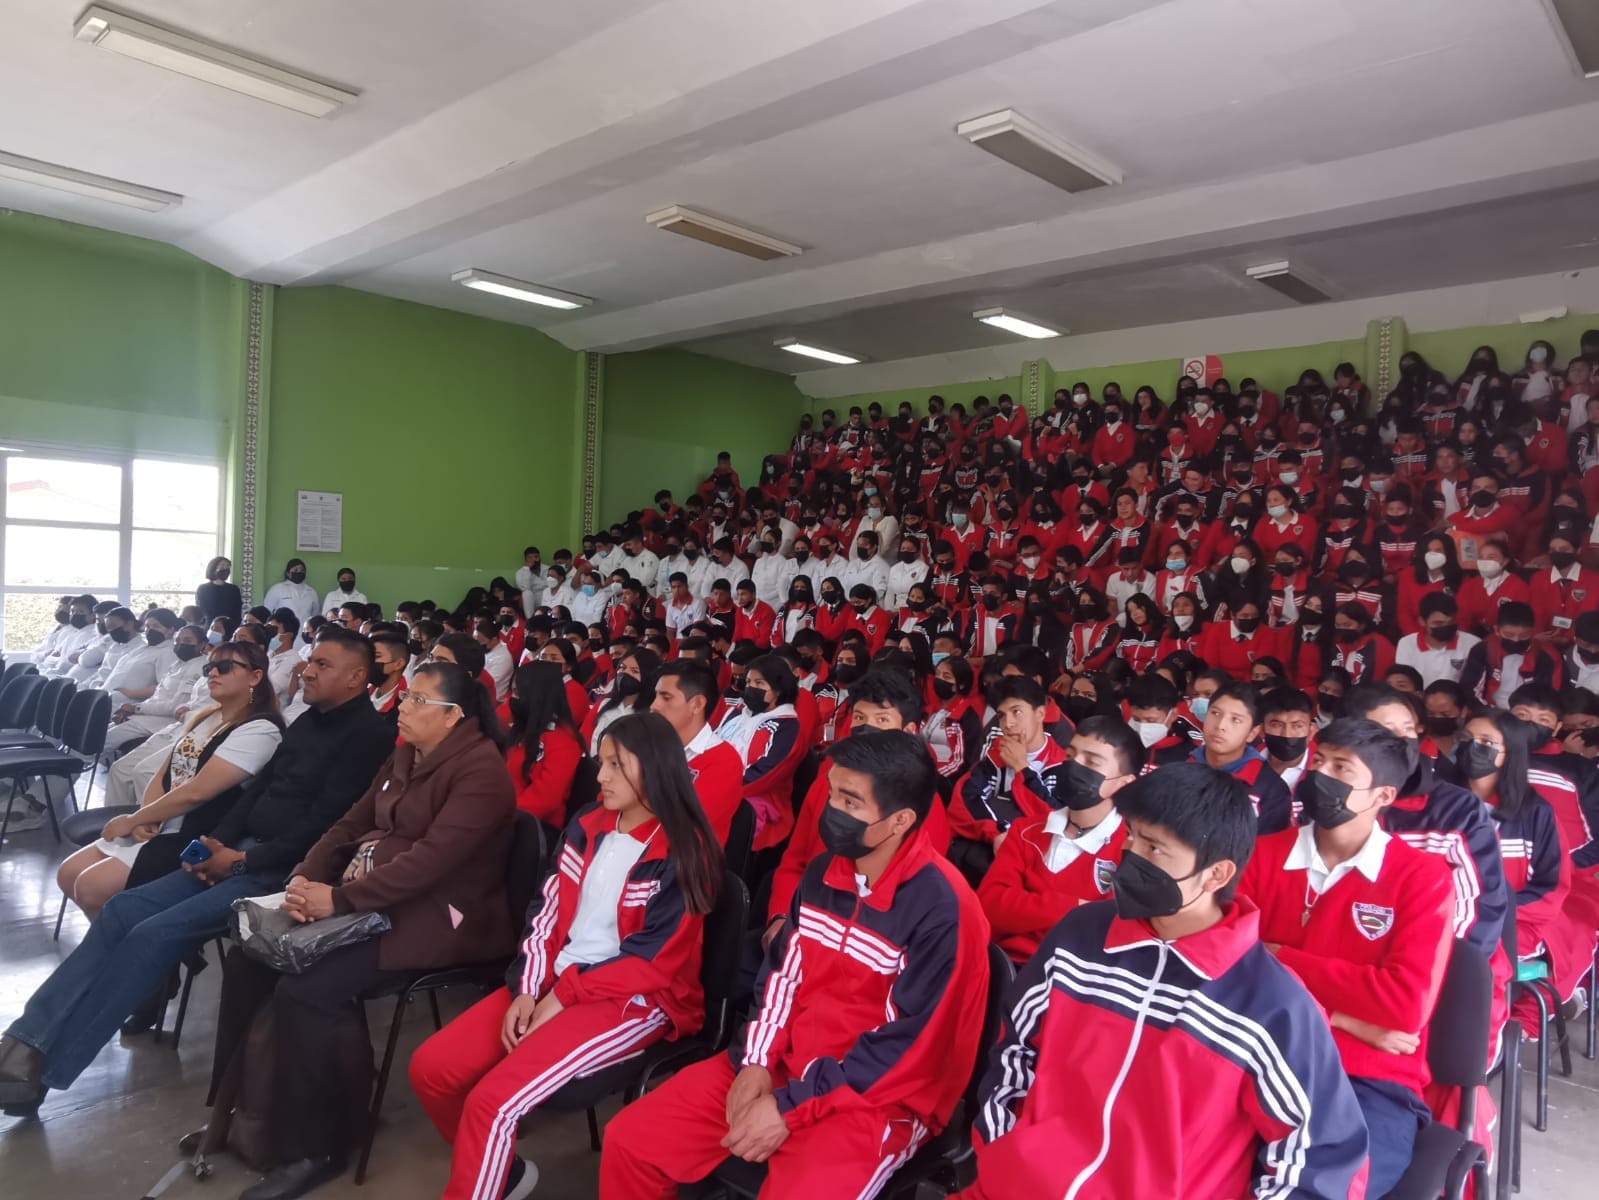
[608, 965]
[544, 748]
[632, 691]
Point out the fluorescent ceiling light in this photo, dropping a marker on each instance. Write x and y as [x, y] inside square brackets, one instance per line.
[1011, 323]
[795, 346]
[208, 63]
[81, 183]
[1577, 23]
[725, 234]
[1009, 135]
[1287, 281]
[517, 289]
[1543, 314]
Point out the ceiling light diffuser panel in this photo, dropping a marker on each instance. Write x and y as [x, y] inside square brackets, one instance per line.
[83, 183]
[717, 232]
[1012, 137]
[795, 346]
[1288, 281]
[1013, 323]
[519, 289]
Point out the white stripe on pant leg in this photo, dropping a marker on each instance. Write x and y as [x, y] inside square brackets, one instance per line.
[885, 1169]
[613, 1045]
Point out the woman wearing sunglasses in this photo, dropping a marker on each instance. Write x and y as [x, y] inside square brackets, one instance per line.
[222, 747]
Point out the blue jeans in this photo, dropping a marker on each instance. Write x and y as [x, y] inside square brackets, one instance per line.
[1394, 1115]
[139, 936]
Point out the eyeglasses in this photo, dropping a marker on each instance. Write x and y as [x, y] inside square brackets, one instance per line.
[423, 701]
[219, 666]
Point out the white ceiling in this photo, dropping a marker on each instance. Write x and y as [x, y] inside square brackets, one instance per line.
[1388, 147]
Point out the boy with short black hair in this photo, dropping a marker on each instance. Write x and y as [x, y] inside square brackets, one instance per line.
[1167, 992]
[1364, 919]
[1018, 770]
[1288, 720]
[1232, 725]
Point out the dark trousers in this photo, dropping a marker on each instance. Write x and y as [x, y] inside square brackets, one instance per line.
[1394, 1115]
[322, 1053]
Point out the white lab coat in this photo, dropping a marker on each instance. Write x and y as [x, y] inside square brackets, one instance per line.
[644, 567]
[901, 576]
[772, 574]
[71, 641]
[874, 572]
[280, 672]
[337, 599]
[887, 530]
[298, 598]
[139, 666]
[589, 609]
[533, 586]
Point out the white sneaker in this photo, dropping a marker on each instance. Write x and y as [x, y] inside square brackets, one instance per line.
[24, 816]
[521, 1179]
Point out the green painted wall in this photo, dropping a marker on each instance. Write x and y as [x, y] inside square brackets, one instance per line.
[453, 439]
[667, 414]
[116, 342]
[1450, 349]
[954, 393]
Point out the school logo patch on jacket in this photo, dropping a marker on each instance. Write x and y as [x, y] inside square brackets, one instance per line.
[1104, 870]
[1373, 920]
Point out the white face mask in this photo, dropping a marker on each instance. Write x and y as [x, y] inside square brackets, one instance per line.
[1434, 559]
[1289, 477]
[1149, 732]
[1539, 354]
[1336, 414]
[1030, 561]
[1490, 568]
[1276, 511]
[1183, 621]
[553, 583]
[1201, 408]
[1239, 564]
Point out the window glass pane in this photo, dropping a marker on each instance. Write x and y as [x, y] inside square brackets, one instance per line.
[177, 599]
[54, 489]
[170, 562]
[175, 495]
[28, 617]
[69, 559]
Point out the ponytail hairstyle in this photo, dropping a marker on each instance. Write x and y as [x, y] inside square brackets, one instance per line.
[252, 657]
[466, 692]
[1515, 793]
[466, 650]
[538, 701]
[668, 792]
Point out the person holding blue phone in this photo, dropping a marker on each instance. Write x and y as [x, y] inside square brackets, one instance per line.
[326, 760]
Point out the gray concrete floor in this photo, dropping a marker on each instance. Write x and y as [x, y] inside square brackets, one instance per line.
[114, 1134]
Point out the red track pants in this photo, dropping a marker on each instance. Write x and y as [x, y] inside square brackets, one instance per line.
[674, 1135]
[475, 1093]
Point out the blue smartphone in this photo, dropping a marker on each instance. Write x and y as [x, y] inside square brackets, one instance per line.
[195, 852]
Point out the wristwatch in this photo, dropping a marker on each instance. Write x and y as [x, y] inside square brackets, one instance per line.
[239, 867]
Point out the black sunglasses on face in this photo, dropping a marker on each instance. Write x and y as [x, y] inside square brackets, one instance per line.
[219, 666]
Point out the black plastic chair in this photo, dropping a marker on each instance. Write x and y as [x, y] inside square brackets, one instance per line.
[740, 845]
[724, 934]
[947, 1157]
[16, 670]
[83, 735]
[525, 872]
[19, 709]
[1445, 1156]
[1533, 979]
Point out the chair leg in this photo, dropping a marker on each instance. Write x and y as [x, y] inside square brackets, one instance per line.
[62, 912]
[1509, 1110]
[594, 1131]
[5, 822]
[161, 1022]
[183, 1006]
[50, 807]
[1593, 1027]
[1540, 1120]
[382, 1085]
[1562, 1039]
[433, 1001]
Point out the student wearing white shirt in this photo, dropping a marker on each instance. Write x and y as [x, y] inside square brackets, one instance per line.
[909, 568]
[1288, 721]
[875, 520]
[135, 721]
[1582, 660]
[530, 580]
[292, 592]
[344, 593]
[496, 658]
[83, 614]
[558, 590]
[133, 663]
[61, 628]
[772, 573]
[592, 598]
[639, 563]
[683, 608]
[867, 566]
[283, 660]
[1439, 650]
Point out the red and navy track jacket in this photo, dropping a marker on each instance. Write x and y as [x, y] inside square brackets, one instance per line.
[991, 796]
[1267, 792]
[1445, 819]
[659, 957]
[1374, 949]
[872, 1002]
[1024, 899]
[1537, 871]
[1129, 1066]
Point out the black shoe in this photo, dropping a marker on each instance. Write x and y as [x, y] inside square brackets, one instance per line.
[295, 1179]
[189, 1143]
[152, 1008]
[21, 1068]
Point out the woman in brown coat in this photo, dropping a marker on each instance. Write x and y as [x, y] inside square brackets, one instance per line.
[427, 846]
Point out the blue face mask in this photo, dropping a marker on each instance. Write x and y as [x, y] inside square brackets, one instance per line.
[214, 637]
[589, 589]
[958, 520]
[1200, 706]
[1176, 564]
[938, 658]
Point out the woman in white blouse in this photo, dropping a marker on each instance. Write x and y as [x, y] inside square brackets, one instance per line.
[221, 748]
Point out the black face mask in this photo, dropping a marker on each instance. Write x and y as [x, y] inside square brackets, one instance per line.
[1442, 727]
[1562, 559]
[1482, 497]
[921, 605]
[1329, 705]
[346, 586]
[1285, 749]
[907, 556]
[691, 553]
[1324, 799]
[754, 699]
[944, 689]
[802, 556]
[843, 834]
[1444, 633]
[1352, 573]
[155, 637]
[187, 651]
[1285, 570]
[627, 686]
[79, 620]
[1476, 761]
[414, 646]
[991, 602]
[1348, 636]
[296, 577]
[507, 622]
[1143, 891]
[864, 553]
[1247, 624]
[120, 636]
[832, 599]
[62, 616]
[378, 676]
[848, 673]
[1080, 786]
[1516, 645]
[1345, 511]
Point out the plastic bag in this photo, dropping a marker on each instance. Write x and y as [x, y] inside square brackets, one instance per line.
[270, 936]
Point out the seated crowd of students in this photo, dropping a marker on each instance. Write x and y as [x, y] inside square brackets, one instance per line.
[1226, 763]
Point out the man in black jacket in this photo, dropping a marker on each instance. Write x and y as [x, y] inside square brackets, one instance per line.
[326, 761]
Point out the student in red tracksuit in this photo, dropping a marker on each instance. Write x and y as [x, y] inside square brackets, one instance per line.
[1018, 772]
[563, 654]
[868, 1014]
[544, 753]
[685, 692]
[765, 728]
[1564, 592]
[870, 619]
[753, 619]
[609, 964]
[1153, 1047]
[1047, 866]
[1364, 920]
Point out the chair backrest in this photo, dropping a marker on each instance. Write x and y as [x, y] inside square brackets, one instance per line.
[15, 670]
[525, 869]
[20, 699]
[1458, 1030]
[54, 700]
[1001, 971]
[88, 718]
[724, 938]
[585, 788]
[1507, 935]
[740, 840]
